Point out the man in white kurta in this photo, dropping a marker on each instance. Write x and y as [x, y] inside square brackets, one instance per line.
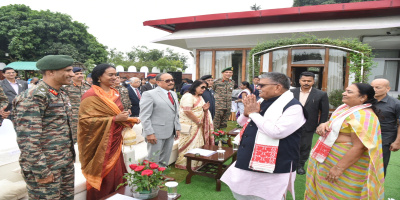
[269, 147]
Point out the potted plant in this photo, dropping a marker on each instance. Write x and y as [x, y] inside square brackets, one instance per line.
[219, 136]
[335, 98]
[144, 179]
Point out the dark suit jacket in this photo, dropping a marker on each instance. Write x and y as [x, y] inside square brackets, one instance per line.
[10, 92]
[135, 109]
[255, 91]
[317, 101]
[146, 87]
[209, 97]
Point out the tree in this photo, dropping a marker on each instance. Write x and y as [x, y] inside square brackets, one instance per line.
[29, 35]
[298, 3]
[255, 7]
[140, 56]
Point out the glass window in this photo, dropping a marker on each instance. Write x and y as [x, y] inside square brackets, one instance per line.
[336, 70]
[388, 69]
[279, 61]
[224, 59]
[205, 63]
[308, 56]
[386, 53]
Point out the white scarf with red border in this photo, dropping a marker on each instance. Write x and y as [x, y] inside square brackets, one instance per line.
[265, 148]
[324, 144]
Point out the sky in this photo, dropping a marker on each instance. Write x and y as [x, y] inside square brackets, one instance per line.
[119, 23]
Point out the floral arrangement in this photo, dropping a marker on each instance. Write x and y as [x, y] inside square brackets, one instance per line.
[220, 135]
[145, 176]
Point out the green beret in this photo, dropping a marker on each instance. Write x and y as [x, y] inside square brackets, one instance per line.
[227, 69]
[54, 62]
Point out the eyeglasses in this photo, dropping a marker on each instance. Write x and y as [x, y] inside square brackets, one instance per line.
[203, 87]
[262, 85]
[168, 80]
[10, 73]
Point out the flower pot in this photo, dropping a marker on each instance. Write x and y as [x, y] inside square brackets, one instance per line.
[145, 194]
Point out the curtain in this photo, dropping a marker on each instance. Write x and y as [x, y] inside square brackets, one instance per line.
[205, 63]
[279, 61]
[223, 59]
[337, 70]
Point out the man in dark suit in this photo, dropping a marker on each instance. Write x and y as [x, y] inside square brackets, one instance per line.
[208, 94]
[11, 86]
[253, 86]
[151, 84]
[316, 104]
[135, 95]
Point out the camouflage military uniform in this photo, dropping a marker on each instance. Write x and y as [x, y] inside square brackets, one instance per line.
[3, 101]
[223, 102]
[44, 137]
[126, 102]
[75, 93]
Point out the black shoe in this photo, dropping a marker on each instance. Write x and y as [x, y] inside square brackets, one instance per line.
[301, 171]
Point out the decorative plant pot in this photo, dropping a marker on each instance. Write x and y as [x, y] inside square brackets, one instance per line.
[220, 144]
[145, 194]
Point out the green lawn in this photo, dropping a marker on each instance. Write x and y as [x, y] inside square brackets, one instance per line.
[204, 187]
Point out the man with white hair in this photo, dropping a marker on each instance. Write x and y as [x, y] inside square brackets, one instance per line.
[389, 108]
[268, 151]
[135, 95]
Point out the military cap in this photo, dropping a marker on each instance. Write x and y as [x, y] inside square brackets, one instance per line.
[151, 76]
[76, 69]
[205, 77]
[54, 62]
[227, 69]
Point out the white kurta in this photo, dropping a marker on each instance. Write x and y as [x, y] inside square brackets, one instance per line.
[266, 185]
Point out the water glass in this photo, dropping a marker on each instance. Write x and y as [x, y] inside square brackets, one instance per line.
[234, 146]
[172, 187]
[221, 154]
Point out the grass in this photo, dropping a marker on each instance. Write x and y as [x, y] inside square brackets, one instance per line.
[204, 187]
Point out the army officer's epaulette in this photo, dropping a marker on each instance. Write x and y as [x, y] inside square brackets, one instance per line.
[40, 91]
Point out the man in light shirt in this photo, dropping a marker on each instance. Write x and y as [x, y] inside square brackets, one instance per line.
[11, 86]
[316, 103]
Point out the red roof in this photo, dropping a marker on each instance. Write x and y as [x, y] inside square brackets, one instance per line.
[293, 14]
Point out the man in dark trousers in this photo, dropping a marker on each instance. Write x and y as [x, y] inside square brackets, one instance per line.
[315, 102]
[151, 84]
[135, 95]
[389, 108]
[208, 94]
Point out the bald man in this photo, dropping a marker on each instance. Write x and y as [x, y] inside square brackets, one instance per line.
[388, 117]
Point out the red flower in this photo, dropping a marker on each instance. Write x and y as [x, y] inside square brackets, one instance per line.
[217, 134]
[147, 172]
[161, 169]
[221, 132]
[146, 161]
[139, 168]
[153, 166]
[133, 166]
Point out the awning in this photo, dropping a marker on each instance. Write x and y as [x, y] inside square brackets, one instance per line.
[22, 65]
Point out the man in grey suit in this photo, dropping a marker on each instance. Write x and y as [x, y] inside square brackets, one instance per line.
[159, 113]
[314, 101]
[11, 86]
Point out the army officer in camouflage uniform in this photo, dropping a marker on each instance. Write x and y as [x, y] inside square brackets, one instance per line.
[42, 121]
[75, 90]
[123, 91]
[223, 98]
[3, 105]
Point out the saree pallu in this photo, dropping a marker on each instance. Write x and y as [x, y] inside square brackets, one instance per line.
[362, 180]
[100, 142]
[198, 135]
